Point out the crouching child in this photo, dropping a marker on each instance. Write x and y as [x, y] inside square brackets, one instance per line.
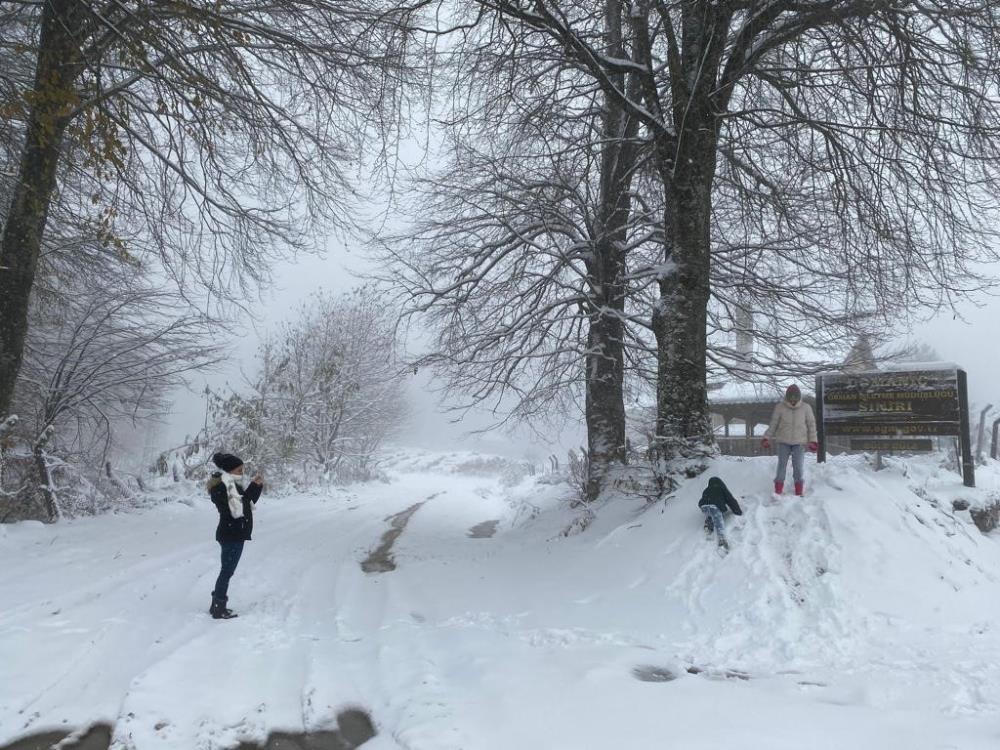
[716, 501]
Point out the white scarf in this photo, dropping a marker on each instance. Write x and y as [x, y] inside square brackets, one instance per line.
[235, 501]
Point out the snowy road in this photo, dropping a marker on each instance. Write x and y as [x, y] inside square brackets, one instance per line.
[522, 639]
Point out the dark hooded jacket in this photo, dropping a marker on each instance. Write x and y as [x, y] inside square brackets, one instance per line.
[718, 494]
[233, 529]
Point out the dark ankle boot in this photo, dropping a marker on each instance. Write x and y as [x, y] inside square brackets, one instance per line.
[218, 609]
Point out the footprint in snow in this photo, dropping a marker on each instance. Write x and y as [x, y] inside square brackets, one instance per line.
[649, 673]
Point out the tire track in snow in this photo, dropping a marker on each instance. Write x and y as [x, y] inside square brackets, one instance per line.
[287, 604]
[380, 559]
[94, 625]
[386, 652]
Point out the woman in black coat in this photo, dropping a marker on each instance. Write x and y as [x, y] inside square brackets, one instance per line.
[235, 505]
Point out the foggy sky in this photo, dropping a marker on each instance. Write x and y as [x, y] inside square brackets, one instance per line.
[428, 425]
[971, 343]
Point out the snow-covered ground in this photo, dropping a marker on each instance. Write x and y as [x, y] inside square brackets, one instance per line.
[866, 615]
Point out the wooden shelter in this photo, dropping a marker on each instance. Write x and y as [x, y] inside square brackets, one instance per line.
[749, 405]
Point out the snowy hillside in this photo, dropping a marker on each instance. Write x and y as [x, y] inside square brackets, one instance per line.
[866, 615]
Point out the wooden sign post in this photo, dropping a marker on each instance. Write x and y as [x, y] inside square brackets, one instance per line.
[895, 411]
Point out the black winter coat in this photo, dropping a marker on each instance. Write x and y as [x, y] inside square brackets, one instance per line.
[718, 494]
[233, 529]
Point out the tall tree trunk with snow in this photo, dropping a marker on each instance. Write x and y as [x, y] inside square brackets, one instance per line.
[605, 403]
[606, 270]
[686, 154]
[686, 158]
[50, 100]
[683, 425]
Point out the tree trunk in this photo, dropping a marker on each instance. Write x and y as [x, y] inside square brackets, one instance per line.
[605, 407]
[683, 424]
[50, 101]
[6, 426]
[47, 500]
[605, 360]
[686, 163]
[46, 491]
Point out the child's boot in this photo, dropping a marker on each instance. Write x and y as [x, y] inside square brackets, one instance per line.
[778, 487]
[800, 488]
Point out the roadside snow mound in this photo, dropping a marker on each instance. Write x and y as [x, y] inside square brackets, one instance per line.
[821, 579]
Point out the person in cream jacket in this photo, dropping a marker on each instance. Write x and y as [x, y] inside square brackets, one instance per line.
[792, 429]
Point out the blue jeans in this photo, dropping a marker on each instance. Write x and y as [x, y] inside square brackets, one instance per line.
[715, 515]
[231, 552]
[798, 456]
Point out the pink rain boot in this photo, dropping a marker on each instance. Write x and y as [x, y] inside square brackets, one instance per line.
[779, 487]
[800, 488]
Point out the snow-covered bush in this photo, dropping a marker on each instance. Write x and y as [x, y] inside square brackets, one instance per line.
[986, 514]
[326, 394]
[71, 488]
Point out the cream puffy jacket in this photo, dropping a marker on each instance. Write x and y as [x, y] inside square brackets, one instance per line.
[792, 425]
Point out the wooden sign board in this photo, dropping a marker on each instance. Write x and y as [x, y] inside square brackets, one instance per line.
[921, 402]
[895, 407]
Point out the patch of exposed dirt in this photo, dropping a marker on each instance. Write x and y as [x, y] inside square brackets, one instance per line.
[380, 559]
[484, 530]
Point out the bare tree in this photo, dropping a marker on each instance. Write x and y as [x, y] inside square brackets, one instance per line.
[209, 134]
[771, 208]
[328, 393]
[101, 359]
[882, 114]
[517, 257]
[102, 354]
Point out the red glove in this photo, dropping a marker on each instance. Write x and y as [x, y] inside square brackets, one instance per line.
[765, 443]
[813, 446]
